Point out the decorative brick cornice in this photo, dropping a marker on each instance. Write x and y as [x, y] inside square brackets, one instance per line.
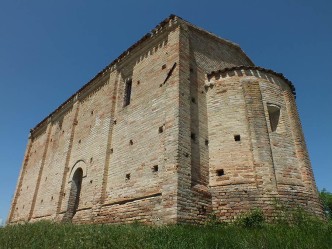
[252, 68]
[170, 22]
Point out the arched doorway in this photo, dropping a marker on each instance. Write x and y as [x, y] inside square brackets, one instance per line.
[74, 195]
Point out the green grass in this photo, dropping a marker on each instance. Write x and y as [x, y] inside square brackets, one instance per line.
[52, 235]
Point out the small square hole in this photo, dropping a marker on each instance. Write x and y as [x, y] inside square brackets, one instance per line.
[193, 136]
[237, 138]
[128, 176]
[193, 100]
[131, 142]
[161, 129]
[220, 172]
[202, 210]
[155, 169]
[206, 142]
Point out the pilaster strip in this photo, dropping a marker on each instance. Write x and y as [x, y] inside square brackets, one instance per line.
[66, 168]
[109, 141]
[49, 128]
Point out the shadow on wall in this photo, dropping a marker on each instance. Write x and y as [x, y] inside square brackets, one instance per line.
[74, 196]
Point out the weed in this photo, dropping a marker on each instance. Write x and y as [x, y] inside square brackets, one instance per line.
[213, 220]
[253, 219]
[248, 235]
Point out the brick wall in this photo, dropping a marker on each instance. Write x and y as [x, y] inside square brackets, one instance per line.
[184, 146]
[128, 153]
[264, 166]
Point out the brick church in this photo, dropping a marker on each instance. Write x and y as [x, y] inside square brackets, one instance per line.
[181, 125]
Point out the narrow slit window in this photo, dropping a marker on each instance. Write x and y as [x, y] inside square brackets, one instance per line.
[274, 115]
[127, 92]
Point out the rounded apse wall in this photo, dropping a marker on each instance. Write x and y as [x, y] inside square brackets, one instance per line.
[256, 146]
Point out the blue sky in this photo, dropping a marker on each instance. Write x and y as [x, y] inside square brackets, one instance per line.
[49, 49]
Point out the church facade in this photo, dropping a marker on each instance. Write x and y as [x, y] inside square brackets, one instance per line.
[180, 126]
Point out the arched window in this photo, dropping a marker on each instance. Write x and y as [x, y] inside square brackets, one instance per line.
[74, 195]
[274, 115]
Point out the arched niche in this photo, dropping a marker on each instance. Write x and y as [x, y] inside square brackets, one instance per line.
[74, 194]
[79, 164]
[77, 173]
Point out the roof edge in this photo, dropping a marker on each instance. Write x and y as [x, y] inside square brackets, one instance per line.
[216, 37]
[169, 21]
[172, 18]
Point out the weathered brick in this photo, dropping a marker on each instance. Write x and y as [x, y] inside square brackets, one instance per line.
[197, 137]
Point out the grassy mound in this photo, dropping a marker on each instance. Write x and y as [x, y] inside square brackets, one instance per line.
[52, 235]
